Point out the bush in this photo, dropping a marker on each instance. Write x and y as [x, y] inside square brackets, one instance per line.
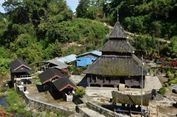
[75, 70]
[173, 44]
[162, 91]
[79, 91]
[16, 104]
[76, 30]
[170, 75]
[4, 66]
[176, 74]
[174, 81]
[147, 44]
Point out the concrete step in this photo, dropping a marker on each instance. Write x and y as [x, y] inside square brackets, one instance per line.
[91, 113]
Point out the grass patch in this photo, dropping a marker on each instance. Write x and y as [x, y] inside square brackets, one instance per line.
[16, 105]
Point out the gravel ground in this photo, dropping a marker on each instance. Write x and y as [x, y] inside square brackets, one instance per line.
[47, 98]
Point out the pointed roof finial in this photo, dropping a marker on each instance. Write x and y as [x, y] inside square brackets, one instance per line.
[117, 16]
[117, 32]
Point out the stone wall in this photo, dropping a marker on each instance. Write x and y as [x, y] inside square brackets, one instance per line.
[42, 106]
[79, 110]
[103, 111]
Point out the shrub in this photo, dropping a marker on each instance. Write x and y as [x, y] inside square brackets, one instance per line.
[4, 66]
[16, 104]
[174, 81]
[79, 91]
[170, 75]
[176, 74]
[162, 91]
[76, 71]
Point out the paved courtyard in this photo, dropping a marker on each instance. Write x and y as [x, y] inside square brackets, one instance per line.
[151, 82]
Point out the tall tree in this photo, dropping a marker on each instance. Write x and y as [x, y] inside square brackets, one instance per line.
[82, 8]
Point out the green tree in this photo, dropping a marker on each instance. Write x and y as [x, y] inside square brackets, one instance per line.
[82, 8]
[33, 53]
[156, 17]
[173, 46]
[53, 50]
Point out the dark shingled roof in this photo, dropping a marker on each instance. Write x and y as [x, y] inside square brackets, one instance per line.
[112, 65]
[19, 66]
[121, 46]
[49, 74]
[131, 99]
[117, 32]
[63, 83]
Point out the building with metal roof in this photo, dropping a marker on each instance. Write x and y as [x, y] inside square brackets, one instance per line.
[87, 58]
[53, 63]
[67, 59]
[58, 64]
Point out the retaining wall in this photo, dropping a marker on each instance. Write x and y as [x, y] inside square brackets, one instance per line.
[79, 110]
[42, 106]
[103, 111]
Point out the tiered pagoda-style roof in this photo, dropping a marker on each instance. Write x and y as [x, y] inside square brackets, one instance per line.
[111, 65]
[121, 46]
[117, 42]
[117, 32]
[118, 58]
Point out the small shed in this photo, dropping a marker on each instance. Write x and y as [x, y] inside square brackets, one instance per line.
[20, 71]
[50, 74]
[57, 83]
[87, 58]
[65, 88]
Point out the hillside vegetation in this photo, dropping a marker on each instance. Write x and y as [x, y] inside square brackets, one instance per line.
[147, 18]
[42, 29]
[36, 30]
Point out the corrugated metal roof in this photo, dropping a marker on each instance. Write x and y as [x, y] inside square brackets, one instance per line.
[60, 64]
[67, 59]
[94, 52]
